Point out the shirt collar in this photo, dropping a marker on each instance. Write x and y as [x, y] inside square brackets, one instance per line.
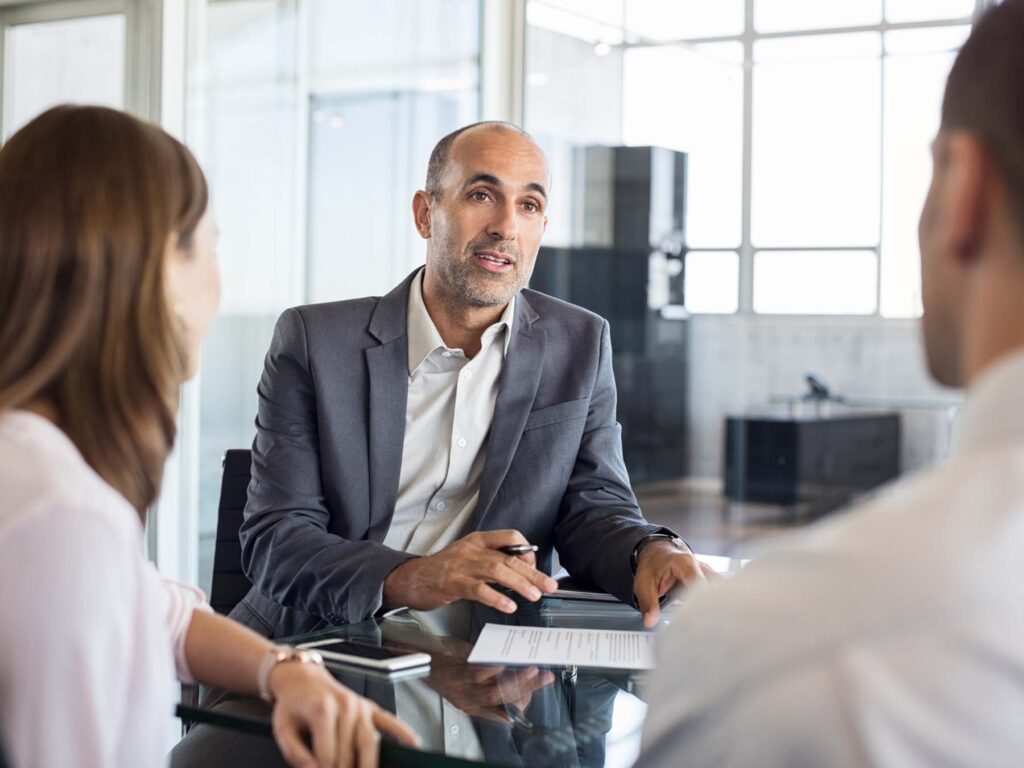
[992, 411]
[424, 337]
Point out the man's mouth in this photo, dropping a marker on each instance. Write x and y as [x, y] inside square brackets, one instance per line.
[494, 260]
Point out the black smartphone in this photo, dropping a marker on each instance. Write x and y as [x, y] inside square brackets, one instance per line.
[365, 655]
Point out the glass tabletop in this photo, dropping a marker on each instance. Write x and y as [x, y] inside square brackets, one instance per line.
[501, 716]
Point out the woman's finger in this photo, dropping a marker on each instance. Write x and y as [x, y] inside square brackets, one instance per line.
[389, 724]
[367, 739]
[289, 741]
[322, 729]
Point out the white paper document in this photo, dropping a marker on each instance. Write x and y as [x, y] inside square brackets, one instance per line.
[544, 646]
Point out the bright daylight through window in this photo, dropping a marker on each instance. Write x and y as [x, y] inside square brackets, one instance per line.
[806, 126]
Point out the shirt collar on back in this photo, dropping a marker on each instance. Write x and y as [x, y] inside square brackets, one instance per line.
[992, 412]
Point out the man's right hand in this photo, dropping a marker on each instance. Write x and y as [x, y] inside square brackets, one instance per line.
[464, 570]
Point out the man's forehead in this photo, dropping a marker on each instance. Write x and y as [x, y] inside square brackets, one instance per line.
[502, 153]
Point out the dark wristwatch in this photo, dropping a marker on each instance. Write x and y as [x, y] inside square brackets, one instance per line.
[669, 537]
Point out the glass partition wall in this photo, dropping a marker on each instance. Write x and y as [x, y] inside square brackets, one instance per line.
[313, 120]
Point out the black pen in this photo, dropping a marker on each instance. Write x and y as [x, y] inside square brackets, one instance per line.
[519, 549]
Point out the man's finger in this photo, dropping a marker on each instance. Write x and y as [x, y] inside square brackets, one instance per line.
[479, 591]
[503, 538]
[709, 572]
[507, 575]
[686, 569]
[541, 580]
[647, 599]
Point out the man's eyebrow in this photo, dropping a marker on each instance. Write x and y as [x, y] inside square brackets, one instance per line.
[490, 178]
[486, 178]
[538, 188]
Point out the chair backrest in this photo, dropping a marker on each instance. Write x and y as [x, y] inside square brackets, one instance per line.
[229, 582]
[3, 754]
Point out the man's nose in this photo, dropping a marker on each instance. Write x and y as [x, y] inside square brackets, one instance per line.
[504, 227]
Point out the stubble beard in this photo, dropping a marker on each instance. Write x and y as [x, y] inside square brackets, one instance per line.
[466, 284]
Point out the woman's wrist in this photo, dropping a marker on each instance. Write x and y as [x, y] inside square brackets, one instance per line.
[275, 657]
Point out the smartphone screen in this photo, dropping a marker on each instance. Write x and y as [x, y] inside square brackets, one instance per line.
[349, 648]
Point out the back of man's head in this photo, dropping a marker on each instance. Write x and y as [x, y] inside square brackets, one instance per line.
[985, 94]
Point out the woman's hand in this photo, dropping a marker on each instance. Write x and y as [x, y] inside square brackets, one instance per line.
[344, 727]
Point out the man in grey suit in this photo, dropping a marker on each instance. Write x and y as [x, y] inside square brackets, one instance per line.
[403, 441]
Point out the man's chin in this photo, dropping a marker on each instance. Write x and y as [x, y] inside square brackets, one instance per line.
[482, 301]
[487, 294]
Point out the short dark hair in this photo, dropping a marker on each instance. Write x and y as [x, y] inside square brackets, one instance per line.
[439, 156]
[985, 93]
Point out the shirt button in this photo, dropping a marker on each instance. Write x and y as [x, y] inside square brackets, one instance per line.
[461, 442]
[468, 374]
[446, 354]
[439, 506]
[453, 730]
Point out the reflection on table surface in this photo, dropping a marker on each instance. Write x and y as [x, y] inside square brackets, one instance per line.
[513, 716]
[562, 716]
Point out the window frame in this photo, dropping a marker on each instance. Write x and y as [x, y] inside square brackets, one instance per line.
[747, 38]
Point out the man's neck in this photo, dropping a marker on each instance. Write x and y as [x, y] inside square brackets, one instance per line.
[994, 318]
[461, 326]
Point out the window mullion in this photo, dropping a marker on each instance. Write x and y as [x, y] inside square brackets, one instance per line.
[746, 274]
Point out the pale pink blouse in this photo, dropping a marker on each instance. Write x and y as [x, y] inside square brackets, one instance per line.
[91, 636]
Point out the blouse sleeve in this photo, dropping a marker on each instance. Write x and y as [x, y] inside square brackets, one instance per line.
[180, 601]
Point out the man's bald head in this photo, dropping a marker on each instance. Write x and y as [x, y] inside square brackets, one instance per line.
[438, 163]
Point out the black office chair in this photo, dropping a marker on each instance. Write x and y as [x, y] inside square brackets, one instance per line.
[230, 584]
[3, 755]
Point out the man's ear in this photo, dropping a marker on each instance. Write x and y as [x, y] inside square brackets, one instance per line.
[421, 203]
[966, 197]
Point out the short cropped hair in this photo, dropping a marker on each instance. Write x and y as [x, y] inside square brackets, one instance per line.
[985, 93]
[439, 156]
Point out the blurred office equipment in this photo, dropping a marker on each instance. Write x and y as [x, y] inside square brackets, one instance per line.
[819, 447]
[625, 263]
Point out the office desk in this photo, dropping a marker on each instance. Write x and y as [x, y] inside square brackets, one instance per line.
[465, 714]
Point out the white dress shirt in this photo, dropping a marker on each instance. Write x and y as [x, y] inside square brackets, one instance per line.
[447, 421]
[91, 636]
[892, 635]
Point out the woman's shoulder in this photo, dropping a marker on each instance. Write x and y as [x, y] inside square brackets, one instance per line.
[47, 484]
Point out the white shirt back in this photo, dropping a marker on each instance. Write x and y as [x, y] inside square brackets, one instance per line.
[91, 634]
[892, 635]
[447, 422]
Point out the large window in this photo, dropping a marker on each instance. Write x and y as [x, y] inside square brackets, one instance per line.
[807, 126]
[313, 120]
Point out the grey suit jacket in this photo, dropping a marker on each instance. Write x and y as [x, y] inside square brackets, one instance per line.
[328, 452]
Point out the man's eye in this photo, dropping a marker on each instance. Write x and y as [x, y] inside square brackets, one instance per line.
[531, 207]
[480, 197]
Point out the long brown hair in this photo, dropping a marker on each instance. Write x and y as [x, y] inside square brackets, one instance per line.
[89, 199]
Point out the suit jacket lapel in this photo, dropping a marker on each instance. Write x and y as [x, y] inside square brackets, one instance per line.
[516, 393]
[388, 367]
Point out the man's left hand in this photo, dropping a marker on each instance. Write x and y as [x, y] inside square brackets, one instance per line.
[661, 567]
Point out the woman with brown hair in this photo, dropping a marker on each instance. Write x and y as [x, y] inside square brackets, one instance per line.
[108, 284]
